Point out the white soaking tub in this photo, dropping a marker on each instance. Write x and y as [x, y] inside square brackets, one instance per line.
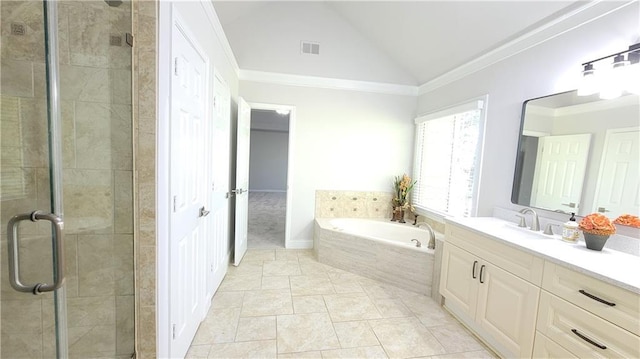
[378, 249]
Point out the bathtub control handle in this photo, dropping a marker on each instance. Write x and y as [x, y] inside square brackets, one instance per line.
[473, 271]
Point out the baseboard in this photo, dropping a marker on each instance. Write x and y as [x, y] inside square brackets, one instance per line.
[304, 244]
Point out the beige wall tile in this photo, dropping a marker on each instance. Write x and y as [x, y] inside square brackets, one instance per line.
[30, 46]
[92, 207]
[16, 78]
[95, 265]
[93, 135]
[89, 40]
[120, 86]
[123, 205]
[19, 316]
[121, 137]
[88, 84]
[125, 334]
[146, 276]
[147, 84]
[147, 331]
[123, 264]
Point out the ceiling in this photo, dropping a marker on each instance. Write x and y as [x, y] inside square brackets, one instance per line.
[398, 42]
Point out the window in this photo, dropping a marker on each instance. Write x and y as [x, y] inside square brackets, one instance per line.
[447, 159]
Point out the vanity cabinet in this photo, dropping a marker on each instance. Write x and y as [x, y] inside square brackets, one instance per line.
[528, 296]
[490, 297]
[586, 316]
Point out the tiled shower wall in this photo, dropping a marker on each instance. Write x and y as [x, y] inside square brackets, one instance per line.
[96, 109]
[144, 27]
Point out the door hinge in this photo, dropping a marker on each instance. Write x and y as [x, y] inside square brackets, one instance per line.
[174, 331]
[175, 202]
[175, 66]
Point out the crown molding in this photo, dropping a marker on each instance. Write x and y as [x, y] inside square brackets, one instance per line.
[582, 15]
[326, 83]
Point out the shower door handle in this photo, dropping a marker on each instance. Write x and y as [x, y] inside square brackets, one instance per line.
[14, 252]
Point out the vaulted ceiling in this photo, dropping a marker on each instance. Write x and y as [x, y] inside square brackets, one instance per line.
[398, 42]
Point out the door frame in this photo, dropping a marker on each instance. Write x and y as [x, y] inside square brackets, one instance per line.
[292, 120]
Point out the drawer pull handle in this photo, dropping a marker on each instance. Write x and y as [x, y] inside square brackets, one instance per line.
[581, 336]
[611, 304]
[481, 273]
[473, 271]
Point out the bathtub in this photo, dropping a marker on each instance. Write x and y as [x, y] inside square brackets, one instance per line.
[378, 249]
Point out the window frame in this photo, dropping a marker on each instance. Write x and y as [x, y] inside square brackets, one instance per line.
[477, 103]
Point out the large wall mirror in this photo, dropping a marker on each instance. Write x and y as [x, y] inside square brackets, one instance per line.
[579, 154]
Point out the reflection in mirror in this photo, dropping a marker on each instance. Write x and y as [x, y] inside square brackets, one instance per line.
[579, 154]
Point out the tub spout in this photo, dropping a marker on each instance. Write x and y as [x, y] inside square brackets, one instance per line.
[418, 244]
[432, 235]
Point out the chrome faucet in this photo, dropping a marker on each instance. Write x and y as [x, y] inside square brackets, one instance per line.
[418, 243]
[535, 224]
[432, 234]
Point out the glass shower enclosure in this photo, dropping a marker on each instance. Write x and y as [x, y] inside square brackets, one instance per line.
[66, 184]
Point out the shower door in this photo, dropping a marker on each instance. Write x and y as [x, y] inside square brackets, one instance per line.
[66, 136]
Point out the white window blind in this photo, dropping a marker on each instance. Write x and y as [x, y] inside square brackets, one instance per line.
[446, 160]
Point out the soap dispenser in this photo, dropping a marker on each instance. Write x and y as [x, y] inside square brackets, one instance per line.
[570, 229]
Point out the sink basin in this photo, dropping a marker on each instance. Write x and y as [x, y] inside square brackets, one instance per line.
[516, 232]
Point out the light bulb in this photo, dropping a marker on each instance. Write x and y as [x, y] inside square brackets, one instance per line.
[632, 79]
[614, 82]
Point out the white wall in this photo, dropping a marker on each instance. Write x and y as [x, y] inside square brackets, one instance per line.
[551, 67]
[268, 160]
[342, 140]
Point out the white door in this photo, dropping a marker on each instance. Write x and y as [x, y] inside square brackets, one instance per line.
[218, 242]
[242, 180]
[188, 162]
[560, 169]
[618, 190]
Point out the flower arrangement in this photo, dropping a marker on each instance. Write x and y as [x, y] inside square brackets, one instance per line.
[628, 220]
[596, 223]
[402, 186]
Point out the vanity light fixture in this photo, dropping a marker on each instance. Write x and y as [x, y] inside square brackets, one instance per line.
[622, 75]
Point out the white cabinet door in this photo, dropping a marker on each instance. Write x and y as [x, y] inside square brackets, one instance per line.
[458, 280]
[507, 307]
[545, 348]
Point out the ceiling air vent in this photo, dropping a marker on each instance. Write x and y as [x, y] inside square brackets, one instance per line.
[311, 48]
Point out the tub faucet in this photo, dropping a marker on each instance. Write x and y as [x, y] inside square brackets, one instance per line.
[432, 235]
[418, 243]
[535, 224]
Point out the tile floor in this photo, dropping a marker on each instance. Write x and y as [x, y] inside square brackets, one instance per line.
[267, 212]
[284, 304]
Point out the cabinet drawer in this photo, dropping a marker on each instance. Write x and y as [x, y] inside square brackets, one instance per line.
[623, 308]
[545, 348]
[582, 333]
[522, 264]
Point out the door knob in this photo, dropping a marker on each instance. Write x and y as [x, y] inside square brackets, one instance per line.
[203, 212]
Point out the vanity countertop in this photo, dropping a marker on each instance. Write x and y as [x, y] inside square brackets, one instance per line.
[618, 268]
